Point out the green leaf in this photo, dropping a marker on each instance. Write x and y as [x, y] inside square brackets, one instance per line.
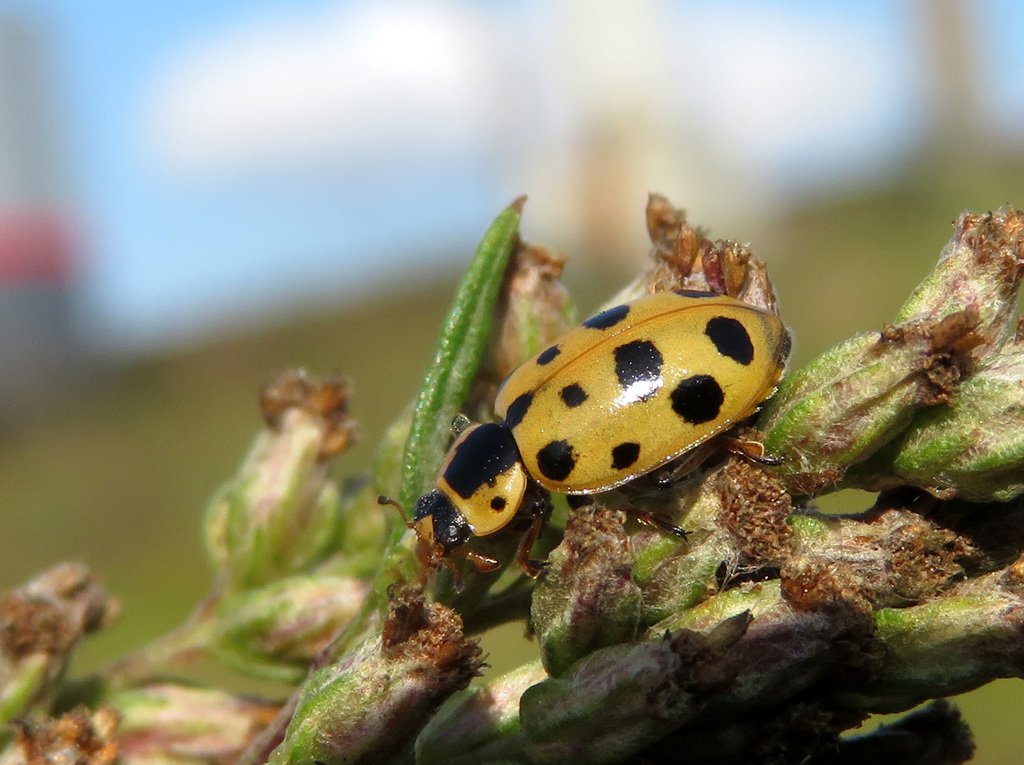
[459, 353]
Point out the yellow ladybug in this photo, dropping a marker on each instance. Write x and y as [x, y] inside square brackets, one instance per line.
[627, 391]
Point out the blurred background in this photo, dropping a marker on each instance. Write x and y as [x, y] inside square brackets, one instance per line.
[195, 196]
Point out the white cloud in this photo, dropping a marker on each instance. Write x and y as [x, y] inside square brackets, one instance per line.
[389, 80]
[711, 103]
[796, 84]
[585, 104]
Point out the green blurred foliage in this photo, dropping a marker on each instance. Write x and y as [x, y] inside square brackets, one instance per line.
[119, 476]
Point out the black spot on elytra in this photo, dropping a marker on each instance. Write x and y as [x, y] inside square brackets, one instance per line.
[698, 399]
[625, 454]
[498, 504]
[573, 395]
[556, 460]
[730, 338]
[547, 356]
[608, 318]
[517, 409]
[786, 347]
[487, 452]
[636, 363]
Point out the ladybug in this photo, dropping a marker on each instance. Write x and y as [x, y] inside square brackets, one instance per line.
[631, 389]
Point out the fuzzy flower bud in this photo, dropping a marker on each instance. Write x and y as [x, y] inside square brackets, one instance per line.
[533, 309]
[617, 700]
[279, 515]
[951, 644]
[371, 703]
[682, 257]
[891, 557]
[40, 624]
[587, 598]
[275, 631]
[850, 401]
[737, 521]
[163, 723]
[979, 271]
[972, 447]
[845, 405]
[480, 724]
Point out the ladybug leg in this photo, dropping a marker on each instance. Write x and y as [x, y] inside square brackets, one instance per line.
[485, 564]
[538, 508]
[677, 470]
[658, 521]
[531, 567]
[750, 450]
[439, 559]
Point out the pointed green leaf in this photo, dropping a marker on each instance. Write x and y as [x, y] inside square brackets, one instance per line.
[459, 353]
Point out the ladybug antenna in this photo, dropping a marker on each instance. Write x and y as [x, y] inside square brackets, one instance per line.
[382, 500]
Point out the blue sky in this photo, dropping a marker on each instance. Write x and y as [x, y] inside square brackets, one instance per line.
[215, 181]
[169, 253]
[165, 252]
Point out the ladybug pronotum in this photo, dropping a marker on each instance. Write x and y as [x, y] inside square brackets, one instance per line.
[629, 390]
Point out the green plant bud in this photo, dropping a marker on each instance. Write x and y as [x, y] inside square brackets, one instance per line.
[387, 460]
[587, 598]
[949, 645]
[370, 705]
[850, 401]
[881, 558]
[480, 724]
[617, 700]
[40, 625]
[602, 710]
[736, 523]
[674, 574]
[361, 533]
[279, 515]
[972, 447]
[979, 271]
[783, 652]
[164, 723]
[275, 631]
